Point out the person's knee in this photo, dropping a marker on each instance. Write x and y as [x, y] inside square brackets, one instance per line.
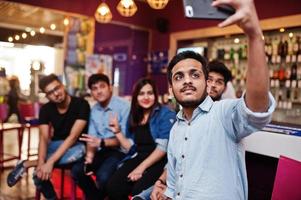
[77, 171]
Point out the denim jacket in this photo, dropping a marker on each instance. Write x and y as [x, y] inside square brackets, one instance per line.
[161, 121]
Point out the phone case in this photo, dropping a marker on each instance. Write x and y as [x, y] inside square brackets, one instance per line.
[202, 9]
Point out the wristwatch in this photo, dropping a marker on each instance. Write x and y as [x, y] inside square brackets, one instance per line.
[102, 143]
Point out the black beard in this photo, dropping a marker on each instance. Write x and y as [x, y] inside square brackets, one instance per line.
[217, 98]
[192, 104]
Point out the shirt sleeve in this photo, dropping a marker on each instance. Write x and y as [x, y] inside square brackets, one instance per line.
[92, 129]
[123, 118]
[244, 121]
[171, 169]
[166, 122]
[43, 115]
[84, 110]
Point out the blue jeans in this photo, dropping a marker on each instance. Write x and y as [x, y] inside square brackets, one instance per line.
[104, 165]
[145, 194]
[73, 154]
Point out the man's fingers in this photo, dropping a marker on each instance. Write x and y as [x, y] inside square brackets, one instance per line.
[230, 20]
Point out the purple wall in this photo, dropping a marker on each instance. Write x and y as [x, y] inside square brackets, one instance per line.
[129, 47]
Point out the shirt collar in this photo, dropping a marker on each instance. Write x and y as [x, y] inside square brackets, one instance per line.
[110, 105]
[205, 106]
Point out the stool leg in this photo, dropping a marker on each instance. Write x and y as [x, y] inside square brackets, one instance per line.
[62, 183]
[28, 142]
[20, 139]
[73, 190]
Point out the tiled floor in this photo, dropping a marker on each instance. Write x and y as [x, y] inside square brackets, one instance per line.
[24, 189]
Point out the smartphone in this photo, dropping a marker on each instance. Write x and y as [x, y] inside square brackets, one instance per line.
[202, 9]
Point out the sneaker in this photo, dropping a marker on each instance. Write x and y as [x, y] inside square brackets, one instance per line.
[15, 175]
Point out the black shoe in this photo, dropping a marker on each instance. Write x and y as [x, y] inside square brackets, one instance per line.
[15, 175]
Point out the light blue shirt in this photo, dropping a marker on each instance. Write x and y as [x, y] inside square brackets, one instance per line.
[205, 157]
[99, 117]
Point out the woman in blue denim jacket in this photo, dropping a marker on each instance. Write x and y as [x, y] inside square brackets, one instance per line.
[147, 136]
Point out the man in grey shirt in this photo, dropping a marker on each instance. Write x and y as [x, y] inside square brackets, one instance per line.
[205, 156]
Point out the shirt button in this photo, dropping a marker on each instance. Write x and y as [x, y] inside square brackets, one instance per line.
[183, 156]
[186, 138]
[181, 175]
[188, 123]
[178, 194]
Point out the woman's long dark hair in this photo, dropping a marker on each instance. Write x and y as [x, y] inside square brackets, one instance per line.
[137, 112]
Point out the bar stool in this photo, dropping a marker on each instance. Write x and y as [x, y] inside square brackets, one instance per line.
[29, 118]
[63, 169]
[4, 127]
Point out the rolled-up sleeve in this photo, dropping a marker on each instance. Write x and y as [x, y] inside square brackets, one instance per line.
[246, 121]
[166, 122]
[162, 144]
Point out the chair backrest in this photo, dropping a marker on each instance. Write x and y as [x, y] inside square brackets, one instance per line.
[288, 180]
[3, 112]
[29, 111]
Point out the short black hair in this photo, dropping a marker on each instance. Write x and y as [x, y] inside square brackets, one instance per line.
[220, 67]
[45, 80]
[185, 55]
[95, 78]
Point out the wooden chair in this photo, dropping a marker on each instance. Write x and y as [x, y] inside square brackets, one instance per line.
[288, 180]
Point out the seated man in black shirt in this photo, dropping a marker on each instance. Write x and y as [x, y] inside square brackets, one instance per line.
[67, 116]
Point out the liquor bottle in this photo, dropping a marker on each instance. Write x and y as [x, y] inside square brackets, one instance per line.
[296, 45]
[280, 47]
[268, 49]
[293, 72]
[290, 46]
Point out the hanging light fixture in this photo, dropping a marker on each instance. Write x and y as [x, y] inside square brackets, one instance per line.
[103, 13]
[157, 4]
[127, 8]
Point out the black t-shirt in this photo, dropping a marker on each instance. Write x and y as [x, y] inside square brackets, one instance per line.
[62, 123]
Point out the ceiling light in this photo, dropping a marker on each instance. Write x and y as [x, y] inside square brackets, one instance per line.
[17, 37]
[24, 35]
[236, 40]
[32, 33]
[42, 30]
[10, 39]
[282, 30]
[27, 29]
[103, 13]
[157, 4]
[53, 27]
[66, 21]
[127, 8]
[291, 35]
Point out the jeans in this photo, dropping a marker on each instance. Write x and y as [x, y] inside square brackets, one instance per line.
[104, 165]
[73, 154]
[145, 194]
